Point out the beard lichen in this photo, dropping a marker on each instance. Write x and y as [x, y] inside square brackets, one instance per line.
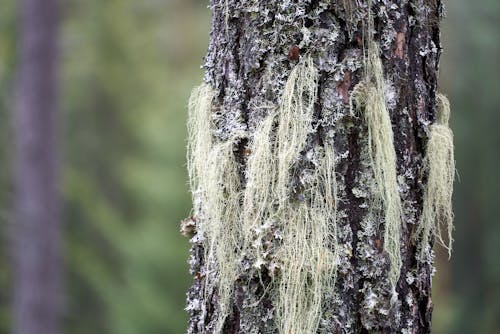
[232, 213]
[223, 229]
[308, 219]
[216, 188]
[437, 205]
[308, 253]
[258, 196]
[295, 119]
[199, 135]
[370, 100]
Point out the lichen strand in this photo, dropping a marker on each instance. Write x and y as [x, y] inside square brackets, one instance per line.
[295, 120]
[370, 97]
[200, 137]
[258, 195]
[308, 242]
[412, 106]
[440, 163]
[247, 66]
[222, 227]
[308, 251]
[216, 188]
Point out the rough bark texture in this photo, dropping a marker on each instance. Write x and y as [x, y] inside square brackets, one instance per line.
[254, 45]
[36, 231]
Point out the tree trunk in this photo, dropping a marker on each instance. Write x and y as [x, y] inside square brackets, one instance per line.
[37, 231]
[254, 48]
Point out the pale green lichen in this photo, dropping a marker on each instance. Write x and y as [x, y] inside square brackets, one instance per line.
[309, 235]
[222, 229]
[216, 188]
[308, 253]
[260, 180]
[234, 215]
[295, 118]
[199, 134]
[370, 99]
[437, 208]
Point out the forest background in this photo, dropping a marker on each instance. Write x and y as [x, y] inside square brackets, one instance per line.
[126, 70]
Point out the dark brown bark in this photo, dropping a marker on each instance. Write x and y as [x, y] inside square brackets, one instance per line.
[252, 39]
[37, 227]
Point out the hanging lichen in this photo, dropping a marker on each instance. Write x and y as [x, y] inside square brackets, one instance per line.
[369, 97]
[199, 136]
[235, 217]
[309, 233]
[308, 253]
[223, 227]
[437, 212]
[294, 121]
[216, 188]
[258, 197]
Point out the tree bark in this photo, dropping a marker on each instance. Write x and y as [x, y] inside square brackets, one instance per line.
[37, 230]
[253, 47]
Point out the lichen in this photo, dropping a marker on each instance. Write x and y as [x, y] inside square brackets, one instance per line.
[308, 252]
[295, 119]
[237, 218]
[258, 197]
[370, 100]
[437, 212]
[308, 241]
[199, 135]
[216, 187]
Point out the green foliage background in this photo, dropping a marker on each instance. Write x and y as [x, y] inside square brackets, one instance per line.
[127, 68]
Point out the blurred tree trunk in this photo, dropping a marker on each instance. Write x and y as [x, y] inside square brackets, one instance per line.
[37, 228]
[253, 47]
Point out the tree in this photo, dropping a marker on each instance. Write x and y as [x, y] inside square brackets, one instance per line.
[321, 167]
[37, 228]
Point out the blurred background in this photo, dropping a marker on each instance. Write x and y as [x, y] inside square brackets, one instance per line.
[127, 68]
